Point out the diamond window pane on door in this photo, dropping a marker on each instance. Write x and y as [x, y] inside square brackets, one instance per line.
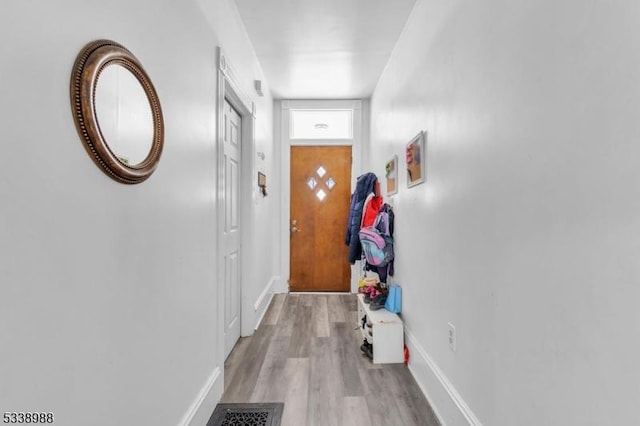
[321, 194]
[330, 183]
[321, 171]
[311, 183]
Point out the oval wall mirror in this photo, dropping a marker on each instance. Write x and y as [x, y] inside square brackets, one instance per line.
[116, 111]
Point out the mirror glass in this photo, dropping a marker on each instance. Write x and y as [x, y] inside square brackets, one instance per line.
[124, 114]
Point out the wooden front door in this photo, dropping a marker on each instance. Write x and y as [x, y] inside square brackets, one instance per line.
[320, 200]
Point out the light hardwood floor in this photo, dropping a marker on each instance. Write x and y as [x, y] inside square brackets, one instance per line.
[306, 353]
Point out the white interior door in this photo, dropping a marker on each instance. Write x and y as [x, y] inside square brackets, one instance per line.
[231, 243]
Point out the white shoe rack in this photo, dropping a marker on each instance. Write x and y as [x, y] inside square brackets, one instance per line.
[386, 333]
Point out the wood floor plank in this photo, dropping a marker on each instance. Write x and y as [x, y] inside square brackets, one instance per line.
[354, 411]
[349, 302]
[274, 309]
[351, 317]
[236, 360]
[409, 397]
[346, 358]
[382, 406]
[302, 333]
[306, 299]
[296, 375]
[325, 396]
[286, 320]
[269, 385]
[320, 316]
[241, 388]
[335, 308]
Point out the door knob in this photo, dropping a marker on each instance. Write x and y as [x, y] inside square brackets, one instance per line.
[294, 227]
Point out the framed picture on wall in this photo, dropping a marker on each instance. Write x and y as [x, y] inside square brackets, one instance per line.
[416, 159]
[391, 173]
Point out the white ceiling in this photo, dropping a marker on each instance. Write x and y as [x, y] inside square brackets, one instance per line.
[323, 49]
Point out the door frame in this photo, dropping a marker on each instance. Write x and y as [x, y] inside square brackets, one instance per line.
[229, 90]
[360, 127]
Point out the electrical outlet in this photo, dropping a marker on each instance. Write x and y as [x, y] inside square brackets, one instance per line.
[452, 337]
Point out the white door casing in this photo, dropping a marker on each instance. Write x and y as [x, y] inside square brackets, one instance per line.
[234, 209]
[232, 139]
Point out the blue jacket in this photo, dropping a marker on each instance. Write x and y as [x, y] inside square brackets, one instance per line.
[365, 185]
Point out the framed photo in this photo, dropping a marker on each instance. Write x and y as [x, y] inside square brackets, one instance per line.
[391, 173]
[416, 159]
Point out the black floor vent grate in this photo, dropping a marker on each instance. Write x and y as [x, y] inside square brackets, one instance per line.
[259, 414]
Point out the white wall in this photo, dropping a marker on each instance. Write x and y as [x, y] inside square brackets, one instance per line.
[108, 291]
[526, 235]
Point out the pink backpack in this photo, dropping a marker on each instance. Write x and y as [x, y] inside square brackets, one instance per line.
[377, 244]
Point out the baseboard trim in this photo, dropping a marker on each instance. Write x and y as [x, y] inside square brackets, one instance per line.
[264, 300]
[204, 404]
[445, 400]
[265, 292]
[264, 311]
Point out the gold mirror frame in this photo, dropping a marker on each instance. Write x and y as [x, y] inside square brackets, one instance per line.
[91, 60]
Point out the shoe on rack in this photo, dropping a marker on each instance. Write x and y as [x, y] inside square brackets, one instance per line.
[369, 352]
[369, 294]
[378, 302]
[367, 349]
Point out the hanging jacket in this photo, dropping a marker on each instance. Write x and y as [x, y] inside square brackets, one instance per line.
[365, 185]
[370, 211]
